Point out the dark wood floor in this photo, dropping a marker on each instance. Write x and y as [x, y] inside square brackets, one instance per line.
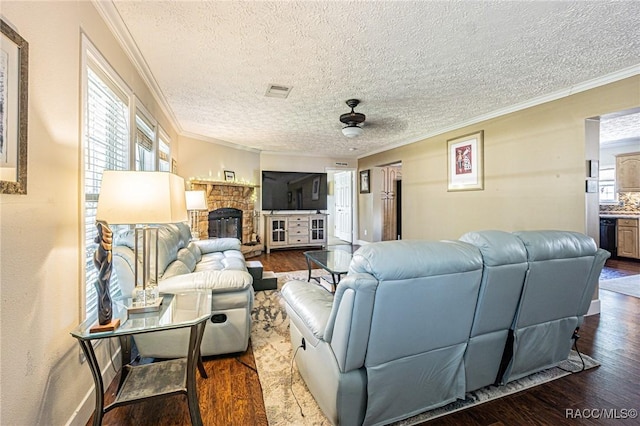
[232, 394]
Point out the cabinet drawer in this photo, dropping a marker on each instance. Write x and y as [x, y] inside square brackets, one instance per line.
[298, 225]
[296, 232]
[293, 219]
[304, 239]
[628, 222]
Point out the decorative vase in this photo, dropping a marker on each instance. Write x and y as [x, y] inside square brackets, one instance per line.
[102, 262]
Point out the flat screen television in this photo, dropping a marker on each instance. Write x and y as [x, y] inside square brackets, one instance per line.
[294, 191]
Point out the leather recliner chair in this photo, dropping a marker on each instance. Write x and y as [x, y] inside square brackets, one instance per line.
[391, 342]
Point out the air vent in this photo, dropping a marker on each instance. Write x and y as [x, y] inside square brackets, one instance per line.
[278, 91]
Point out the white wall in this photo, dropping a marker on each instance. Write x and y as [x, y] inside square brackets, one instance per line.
[42, 379]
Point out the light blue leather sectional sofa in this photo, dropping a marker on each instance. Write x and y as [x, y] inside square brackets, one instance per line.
[183, 265]
[416, 324]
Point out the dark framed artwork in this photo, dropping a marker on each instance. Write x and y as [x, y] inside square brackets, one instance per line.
[14, 82]
[229, 176]
[364, 182]
[465, 162]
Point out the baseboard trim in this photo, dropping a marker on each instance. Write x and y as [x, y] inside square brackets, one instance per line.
[594, 307]
[85, 409]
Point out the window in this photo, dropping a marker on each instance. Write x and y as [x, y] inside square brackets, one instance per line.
[607, 184]
[106, 147]
[144, 142]
[164, 152]
[111, 141]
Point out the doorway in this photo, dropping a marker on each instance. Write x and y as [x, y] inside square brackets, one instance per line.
[343, 200]
[391, 203]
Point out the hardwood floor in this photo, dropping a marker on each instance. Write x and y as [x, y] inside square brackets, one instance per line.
[625, 266]
[232, 394]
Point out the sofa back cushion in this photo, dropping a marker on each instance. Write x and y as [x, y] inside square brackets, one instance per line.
[420, 318]
[505, 267]
[559, 264]
[560, 276]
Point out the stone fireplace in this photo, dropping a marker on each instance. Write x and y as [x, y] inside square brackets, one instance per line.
[227, 196]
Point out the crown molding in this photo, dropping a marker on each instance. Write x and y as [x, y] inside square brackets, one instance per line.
[112, 18]
[581, 87]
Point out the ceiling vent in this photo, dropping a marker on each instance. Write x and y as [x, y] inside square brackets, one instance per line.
[278, 91]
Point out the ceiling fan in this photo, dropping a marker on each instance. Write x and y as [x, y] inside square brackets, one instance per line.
[352, 119]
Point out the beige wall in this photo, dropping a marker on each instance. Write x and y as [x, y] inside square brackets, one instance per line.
[42, 379]
[534, 164]
[201, 159]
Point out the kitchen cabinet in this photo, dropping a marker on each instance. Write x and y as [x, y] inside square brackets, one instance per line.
[628, 172]
[628, 238]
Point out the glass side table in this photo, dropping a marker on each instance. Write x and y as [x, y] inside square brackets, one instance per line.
[169, 377]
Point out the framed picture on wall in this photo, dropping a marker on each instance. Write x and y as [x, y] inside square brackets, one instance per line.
[14, 72]
[364, 182]
[465, 162]
[229, 176]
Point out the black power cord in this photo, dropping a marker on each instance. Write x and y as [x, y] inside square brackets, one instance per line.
[575, 338]
[303, 346]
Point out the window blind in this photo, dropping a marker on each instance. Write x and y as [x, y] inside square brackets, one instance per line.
[164, 153]
[106, 148]
[145, 135]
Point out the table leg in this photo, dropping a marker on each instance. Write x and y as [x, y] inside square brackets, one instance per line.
[309, 268]
[195, 338]
[203, 372]
[87, 349]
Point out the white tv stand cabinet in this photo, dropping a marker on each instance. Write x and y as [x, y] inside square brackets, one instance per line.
[295, 230]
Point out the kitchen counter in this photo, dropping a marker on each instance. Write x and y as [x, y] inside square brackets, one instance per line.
[625, 215]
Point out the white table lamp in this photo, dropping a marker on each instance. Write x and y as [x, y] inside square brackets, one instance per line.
[142, 198]
[196, 200]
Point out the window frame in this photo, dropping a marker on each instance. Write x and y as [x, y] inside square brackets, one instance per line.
[93, 59]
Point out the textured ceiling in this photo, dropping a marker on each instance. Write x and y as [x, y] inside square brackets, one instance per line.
[418, 67]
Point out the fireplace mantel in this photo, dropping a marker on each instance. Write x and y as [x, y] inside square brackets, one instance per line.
[222, 183]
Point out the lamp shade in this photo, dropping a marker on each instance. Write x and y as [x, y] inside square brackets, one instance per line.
[129, 197]
[352, 131]
[196, 200]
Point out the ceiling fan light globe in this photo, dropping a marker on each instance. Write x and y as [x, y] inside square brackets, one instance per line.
[352, 131]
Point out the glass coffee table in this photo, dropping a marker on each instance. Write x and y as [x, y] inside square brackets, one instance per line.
[336, 262]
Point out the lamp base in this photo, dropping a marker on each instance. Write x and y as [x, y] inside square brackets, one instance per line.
[110, 326]
[144, 306]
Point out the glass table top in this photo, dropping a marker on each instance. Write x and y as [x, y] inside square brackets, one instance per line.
[176, 311]
[334, 261]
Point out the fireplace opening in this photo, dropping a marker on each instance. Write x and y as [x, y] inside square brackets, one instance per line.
[225, 223]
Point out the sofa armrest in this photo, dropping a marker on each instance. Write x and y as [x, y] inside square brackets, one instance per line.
[123, 265]
[218, 244]
[309, 307]
[216, 281]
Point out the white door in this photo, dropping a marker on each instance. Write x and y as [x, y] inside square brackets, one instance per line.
[344, 208]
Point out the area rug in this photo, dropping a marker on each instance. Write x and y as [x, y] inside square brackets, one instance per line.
[287, 399]
[608, 273]
[629, 285]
